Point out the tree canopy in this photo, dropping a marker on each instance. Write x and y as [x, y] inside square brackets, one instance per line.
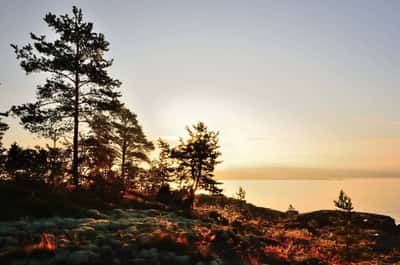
[78, 84]
[197, 157]
[128, 139]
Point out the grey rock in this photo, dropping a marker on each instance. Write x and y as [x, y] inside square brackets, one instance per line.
[86, 231]
[103, 225]
[119, 212]
[152, 212]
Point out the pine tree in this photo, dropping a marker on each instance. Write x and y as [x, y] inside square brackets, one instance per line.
[129, 141]
[98, 155]
[49, 124]
[291, 211]
[241, 194]
[78, 84]
[3, 127]
[58, 164]
[27, 164]
[162, 170]
[197, 157]
[344, 202]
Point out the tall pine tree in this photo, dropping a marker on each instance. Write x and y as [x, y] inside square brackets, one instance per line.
[78, 84]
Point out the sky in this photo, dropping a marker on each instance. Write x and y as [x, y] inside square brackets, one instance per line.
[298, 84]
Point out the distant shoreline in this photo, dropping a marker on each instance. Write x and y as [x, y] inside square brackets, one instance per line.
[302, 178]
[301, 173]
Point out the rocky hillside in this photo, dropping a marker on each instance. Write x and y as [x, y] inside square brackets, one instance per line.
[221, 231]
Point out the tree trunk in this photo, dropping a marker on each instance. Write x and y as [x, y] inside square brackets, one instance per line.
[76, 130]
[54, 143]
[193, 192]
[123, 155]
[75, 171]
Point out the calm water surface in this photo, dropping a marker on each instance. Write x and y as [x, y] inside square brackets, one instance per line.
[368, 195]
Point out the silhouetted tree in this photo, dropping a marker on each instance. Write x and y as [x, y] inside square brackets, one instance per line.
[162, 169]
[197, 157]
[241, 194]
[3, 127]
[49, 124]
[138, 178]
[129, 141]
[58, 162]
[97, 154]
[344, 202]
[78, 83]
[291, 208]
[26, 164]
[210, 185]
[291, 211]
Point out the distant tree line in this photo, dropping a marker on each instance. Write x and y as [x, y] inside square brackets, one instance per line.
[96, 141]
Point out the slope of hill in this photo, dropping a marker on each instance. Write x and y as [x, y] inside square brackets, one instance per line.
[220, 231]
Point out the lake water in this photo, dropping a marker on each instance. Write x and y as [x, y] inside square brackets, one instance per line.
[372, 195]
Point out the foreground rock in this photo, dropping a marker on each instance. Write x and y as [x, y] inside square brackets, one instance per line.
[221, 235]
[360, 220]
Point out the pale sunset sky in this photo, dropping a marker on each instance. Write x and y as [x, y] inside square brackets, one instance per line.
[299, 84]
